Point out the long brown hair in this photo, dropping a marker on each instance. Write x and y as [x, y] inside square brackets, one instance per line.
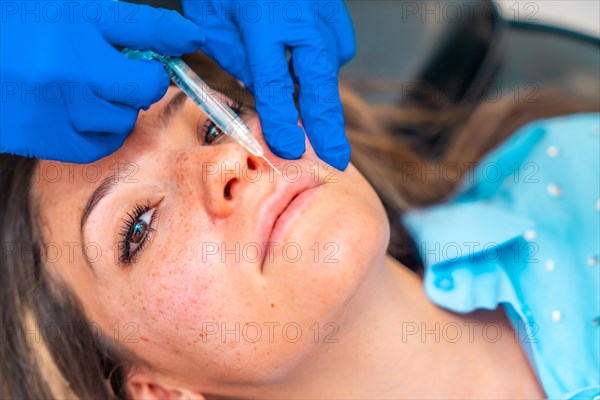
[49, 350]
[78, 363]
[398, 170]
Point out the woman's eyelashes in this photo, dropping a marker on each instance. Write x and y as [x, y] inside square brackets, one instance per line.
[135, 232]
[209, 133]
[138, 225]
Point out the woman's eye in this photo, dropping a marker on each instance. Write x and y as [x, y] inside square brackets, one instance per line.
[135, 233]
[140, 229]
[211, 133]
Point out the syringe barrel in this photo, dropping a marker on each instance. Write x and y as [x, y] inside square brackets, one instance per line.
[194, 87]
[237, 131]
[215, 108]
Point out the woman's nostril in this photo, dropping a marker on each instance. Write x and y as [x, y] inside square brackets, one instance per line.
[251, 164]
[227, 190]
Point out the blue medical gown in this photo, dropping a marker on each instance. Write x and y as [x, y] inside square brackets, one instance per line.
[524, 232]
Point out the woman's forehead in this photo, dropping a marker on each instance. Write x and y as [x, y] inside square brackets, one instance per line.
[61, 185]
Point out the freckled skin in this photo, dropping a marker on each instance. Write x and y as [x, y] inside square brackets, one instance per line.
[174, 294]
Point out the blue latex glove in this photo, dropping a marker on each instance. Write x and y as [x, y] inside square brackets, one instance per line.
[250, 40]
[67, 93]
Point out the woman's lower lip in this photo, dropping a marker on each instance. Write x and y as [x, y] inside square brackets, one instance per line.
[285, 220]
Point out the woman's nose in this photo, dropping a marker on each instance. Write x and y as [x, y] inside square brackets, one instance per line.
[222, 175]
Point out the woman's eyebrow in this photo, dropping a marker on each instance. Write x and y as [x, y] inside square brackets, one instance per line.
[105, 187]
[173, 106]
[101, 191]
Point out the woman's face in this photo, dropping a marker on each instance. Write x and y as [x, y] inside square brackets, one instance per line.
[176, 228]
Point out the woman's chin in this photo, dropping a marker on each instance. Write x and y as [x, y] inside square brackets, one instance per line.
[328, 249]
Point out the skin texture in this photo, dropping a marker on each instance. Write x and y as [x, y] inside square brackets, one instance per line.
[206, 320]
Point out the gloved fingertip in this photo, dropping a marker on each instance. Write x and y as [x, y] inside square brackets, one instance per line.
[340, 160]
[157, 81]
[196, 39]
[329, 141]
[287, 143]
[189, 37]
[288, 154]
[199, 37]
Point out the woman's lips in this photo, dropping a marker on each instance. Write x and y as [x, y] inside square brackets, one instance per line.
[288, 213]
[279, 212]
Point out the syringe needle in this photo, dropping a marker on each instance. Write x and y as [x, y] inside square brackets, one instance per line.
[271, 165]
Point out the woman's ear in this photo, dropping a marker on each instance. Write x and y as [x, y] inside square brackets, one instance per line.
[146, 385]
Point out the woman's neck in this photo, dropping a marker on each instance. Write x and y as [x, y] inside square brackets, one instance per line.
[394, 343]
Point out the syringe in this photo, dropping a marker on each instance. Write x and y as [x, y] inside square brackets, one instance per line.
[215, 109]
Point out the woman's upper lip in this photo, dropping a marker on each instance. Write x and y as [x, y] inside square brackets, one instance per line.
[278, 202]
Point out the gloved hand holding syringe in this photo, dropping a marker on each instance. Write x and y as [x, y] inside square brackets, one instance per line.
[69, 97]
[215, 109]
